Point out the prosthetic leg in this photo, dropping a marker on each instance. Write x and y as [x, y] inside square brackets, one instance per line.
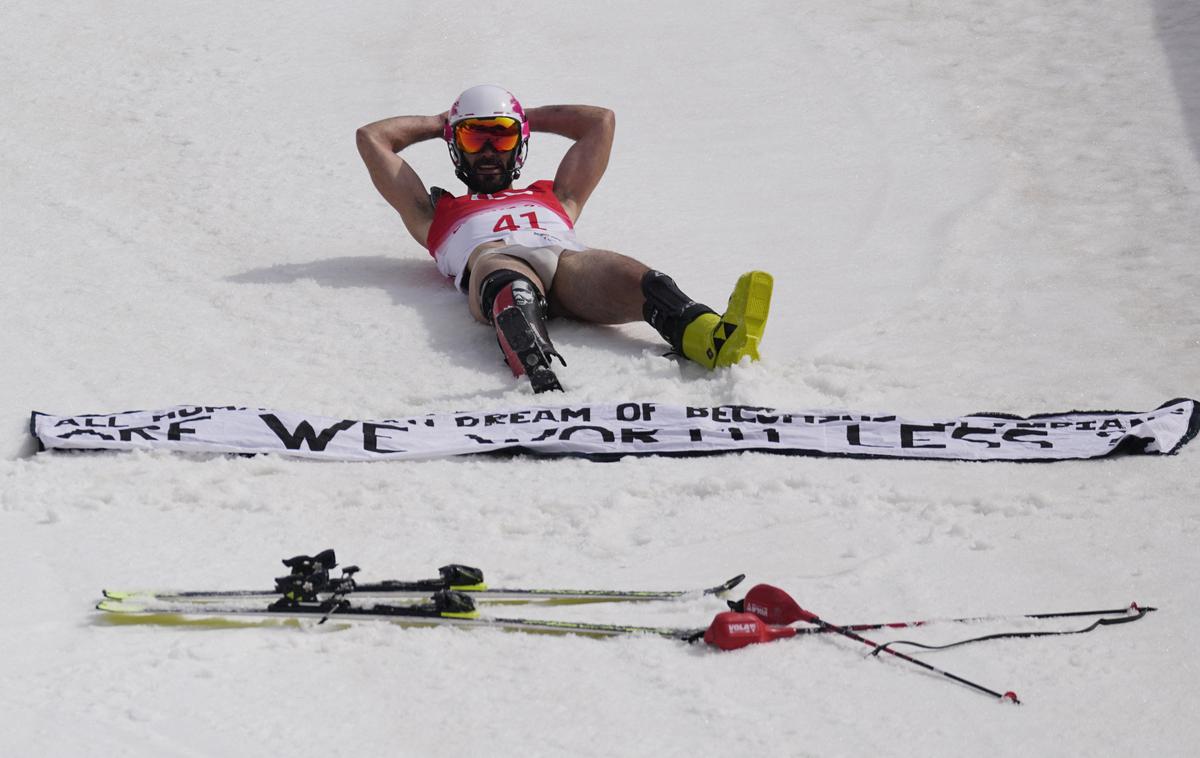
[697, 332]
[518, 311]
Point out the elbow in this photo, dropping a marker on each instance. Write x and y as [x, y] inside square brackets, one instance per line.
[362, 138]
[609, 119]
[368, 142]
[605, 123]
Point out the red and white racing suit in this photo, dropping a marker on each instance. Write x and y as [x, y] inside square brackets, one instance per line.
[530, 217]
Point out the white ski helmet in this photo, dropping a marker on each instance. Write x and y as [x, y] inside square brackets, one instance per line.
[485, 101]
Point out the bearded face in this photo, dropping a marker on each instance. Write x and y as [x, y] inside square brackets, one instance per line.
[489, 171]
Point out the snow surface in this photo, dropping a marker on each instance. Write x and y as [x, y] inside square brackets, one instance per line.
[968, 206]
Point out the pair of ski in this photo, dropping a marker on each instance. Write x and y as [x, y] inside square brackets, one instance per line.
[309, 592]
[766, 613]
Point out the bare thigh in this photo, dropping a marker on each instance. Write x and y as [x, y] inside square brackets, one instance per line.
[598, 286]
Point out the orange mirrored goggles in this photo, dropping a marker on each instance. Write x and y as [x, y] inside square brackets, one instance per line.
[473, 134]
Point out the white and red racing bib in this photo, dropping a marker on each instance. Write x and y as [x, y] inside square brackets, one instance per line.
[532, 217]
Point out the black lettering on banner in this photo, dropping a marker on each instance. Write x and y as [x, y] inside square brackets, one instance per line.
[92, 432]
[605, 434]
[547, 434]
[767, 416]
[304, 434]
[1015, 435]
[854, 436]
[161, 416]
[176, 430]
[583, 414]
[109, 423]
[544, 415]
[371, 436]
[633, 435]
[461, 421]
[772, 435]
[909, 432]
[695, 435]
[734, 433]
[629, 412]
[1112, 423]
[746, 414]
[697, 412]
[66, 422]
[518, 417]
[480, 440]
[140, 431]
[963, 432]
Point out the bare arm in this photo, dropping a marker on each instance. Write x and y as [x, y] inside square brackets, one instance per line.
[592, 129]
[378, 144]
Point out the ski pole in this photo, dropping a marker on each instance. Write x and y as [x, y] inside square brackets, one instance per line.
[765, 603]
[1023, 635]
[766, 607]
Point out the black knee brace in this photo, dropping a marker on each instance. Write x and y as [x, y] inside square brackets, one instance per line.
[667, 309]
[496, 281]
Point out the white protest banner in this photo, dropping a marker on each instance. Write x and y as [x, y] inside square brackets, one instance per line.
[611, 430]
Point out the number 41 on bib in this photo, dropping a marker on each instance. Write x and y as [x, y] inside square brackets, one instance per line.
[506, 223]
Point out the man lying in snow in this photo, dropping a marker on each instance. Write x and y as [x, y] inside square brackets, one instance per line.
[514, 251]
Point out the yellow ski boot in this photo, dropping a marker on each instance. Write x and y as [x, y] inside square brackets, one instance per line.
[715, 341]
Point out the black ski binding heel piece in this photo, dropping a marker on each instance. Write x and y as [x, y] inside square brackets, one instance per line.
[310, 576]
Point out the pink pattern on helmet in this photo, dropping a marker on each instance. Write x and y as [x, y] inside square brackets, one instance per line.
[517, 109]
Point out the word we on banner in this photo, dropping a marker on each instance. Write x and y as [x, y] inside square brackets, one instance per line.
[606, 431]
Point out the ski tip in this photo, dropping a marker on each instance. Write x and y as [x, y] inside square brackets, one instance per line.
[1010, 697]
[112, 605]
[117, 613]
[727, 585]
[119, 594]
